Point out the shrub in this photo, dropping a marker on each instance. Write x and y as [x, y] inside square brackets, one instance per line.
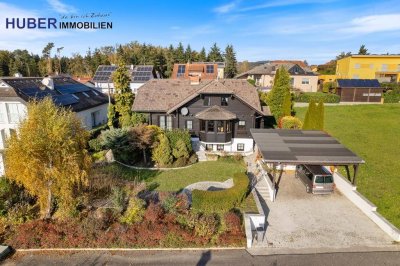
[178, 134]
[392, 96]
[193, 158]
[95, 144]
[118, 198]
[306, 97]
[233, 222]
[170, 204]
[291, 122]
[154, 213]
[222, 200]
[180, 150]
[94, 133]
[206, 225]
[21, 213]
[180, 162]
[135, 211]
[162, 152]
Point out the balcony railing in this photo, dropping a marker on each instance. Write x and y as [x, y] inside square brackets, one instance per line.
[215, 137]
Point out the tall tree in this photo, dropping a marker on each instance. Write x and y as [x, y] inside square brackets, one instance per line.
[320, 121]
[244, 66]
[47, 56]
[141, 137]
[287, 105]
[310, 121]
[188, 54]
[280, 90]
[180, 54]
[230, 62]
[123, 95]
[48, 156]
[202, 56]
[162, 152]
[343, 55]
[363, 50]
[215, 54]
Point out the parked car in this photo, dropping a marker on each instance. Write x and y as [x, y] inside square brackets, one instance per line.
[316, 178]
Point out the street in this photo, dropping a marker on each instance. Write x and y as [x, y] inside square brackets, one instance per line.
[198, 257]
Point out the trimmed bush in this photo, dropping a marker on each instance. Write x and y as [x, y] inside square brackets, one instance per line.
[222, 200]
[95, 132]
[291, 122]
[95, 144]
[306, 97]
[177, 134]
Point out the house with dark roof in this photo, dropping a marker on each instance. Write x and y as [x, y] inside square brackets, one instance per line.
[301, 78]
[199, 70]
[359, 90]
[89, 104]
[218, 113]
[139, 74]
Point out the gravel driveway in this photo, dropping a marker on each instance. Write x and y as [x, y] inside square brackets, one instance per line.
[300, 220]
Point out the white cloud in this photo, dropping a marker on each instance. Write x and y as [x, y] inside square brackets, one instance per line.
[226, 8]
[374, 23]
[60, 7]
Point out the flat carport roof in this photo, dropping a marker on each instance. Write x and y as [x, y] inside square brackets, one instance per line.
[288, 146]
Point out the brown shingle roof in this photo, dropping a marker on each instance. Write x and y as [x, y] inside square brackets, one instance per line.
[215, 113]
[168, 95]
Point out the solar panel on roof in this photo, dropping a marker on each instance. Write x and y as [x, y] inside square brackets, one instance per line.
[358, 83]
[65, 100]
[71, 88]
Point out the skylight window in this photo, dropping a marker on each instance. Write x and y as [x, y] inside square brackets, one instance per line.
[76, 97]
[87, 95]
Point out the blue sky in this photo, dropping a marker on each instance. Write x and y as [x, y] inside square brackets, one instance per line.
[312, 30]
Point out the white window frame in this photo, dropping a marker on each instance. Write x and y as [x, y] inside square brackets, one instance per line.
[187, 124]
[14, 117]
[357, 66]
[237, 147]
[305, 81]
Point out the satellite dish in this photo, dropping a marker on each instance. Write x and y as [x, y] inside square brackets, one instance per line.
[184, 111]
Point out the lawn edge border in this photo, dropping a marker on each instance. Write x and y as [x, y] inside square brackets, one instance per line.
[127, 249]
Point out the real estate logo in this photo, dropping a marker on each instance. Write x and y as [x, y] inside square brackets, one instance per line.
[64, 22]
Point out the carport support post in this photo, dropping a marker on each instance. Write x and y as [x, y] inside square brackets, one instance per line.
[348, 172]
[355, 168]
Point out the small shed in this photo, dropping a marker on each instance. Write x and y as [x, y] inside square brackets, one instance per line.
[359, 90]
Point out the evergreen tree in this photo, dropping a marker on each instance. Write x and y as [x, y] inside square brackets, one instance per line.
[363, 50]
[202, 56]
[230, 62]
[180, 54]
[215, 54]
[321, 116]
[162, 152]
[180, 150]
[123, 95]
[110, 115]
[279, 90]
[170, 56]
[287, 105]
[310, 121]
[47, 56]
[188, 54]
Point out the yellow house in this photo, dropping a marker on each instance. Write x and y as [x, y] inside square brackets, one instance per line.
[385, 68]
[326, 78]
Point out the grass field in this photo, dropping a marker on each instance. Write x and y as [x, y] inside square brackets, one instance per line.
[373, 133]
[175, 180]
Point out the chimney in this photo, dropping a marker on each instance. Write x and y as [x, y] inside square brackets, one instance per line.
[194, 80]
[18, 75]
[48, 82]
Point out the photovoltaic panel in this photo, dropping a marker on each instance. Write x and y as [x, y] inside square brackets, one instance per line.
[64, 100]
[71, 88]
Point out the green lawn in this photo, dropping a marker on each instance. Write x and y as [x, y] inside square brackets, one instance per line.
[373, 133]
[175, 180]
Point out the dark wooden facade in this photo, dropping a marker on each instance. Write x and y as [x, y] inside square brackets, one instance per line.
[360, 94]
[242, 111]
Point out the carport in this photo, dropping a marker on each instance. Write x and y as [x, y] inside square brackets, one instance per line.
[280, 147]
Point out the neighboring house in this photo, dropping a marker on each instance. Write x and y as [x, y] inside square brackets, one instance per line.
[297, 62]
[301, 78]
[139, 75]
[359, 90]
[385, 68]
[217, 113]
[85, 81]
[202, 70]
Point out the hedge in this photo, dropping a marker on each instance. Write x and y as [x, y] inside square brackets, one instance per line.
[305, 97]
[392, 96]
[222, 200]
